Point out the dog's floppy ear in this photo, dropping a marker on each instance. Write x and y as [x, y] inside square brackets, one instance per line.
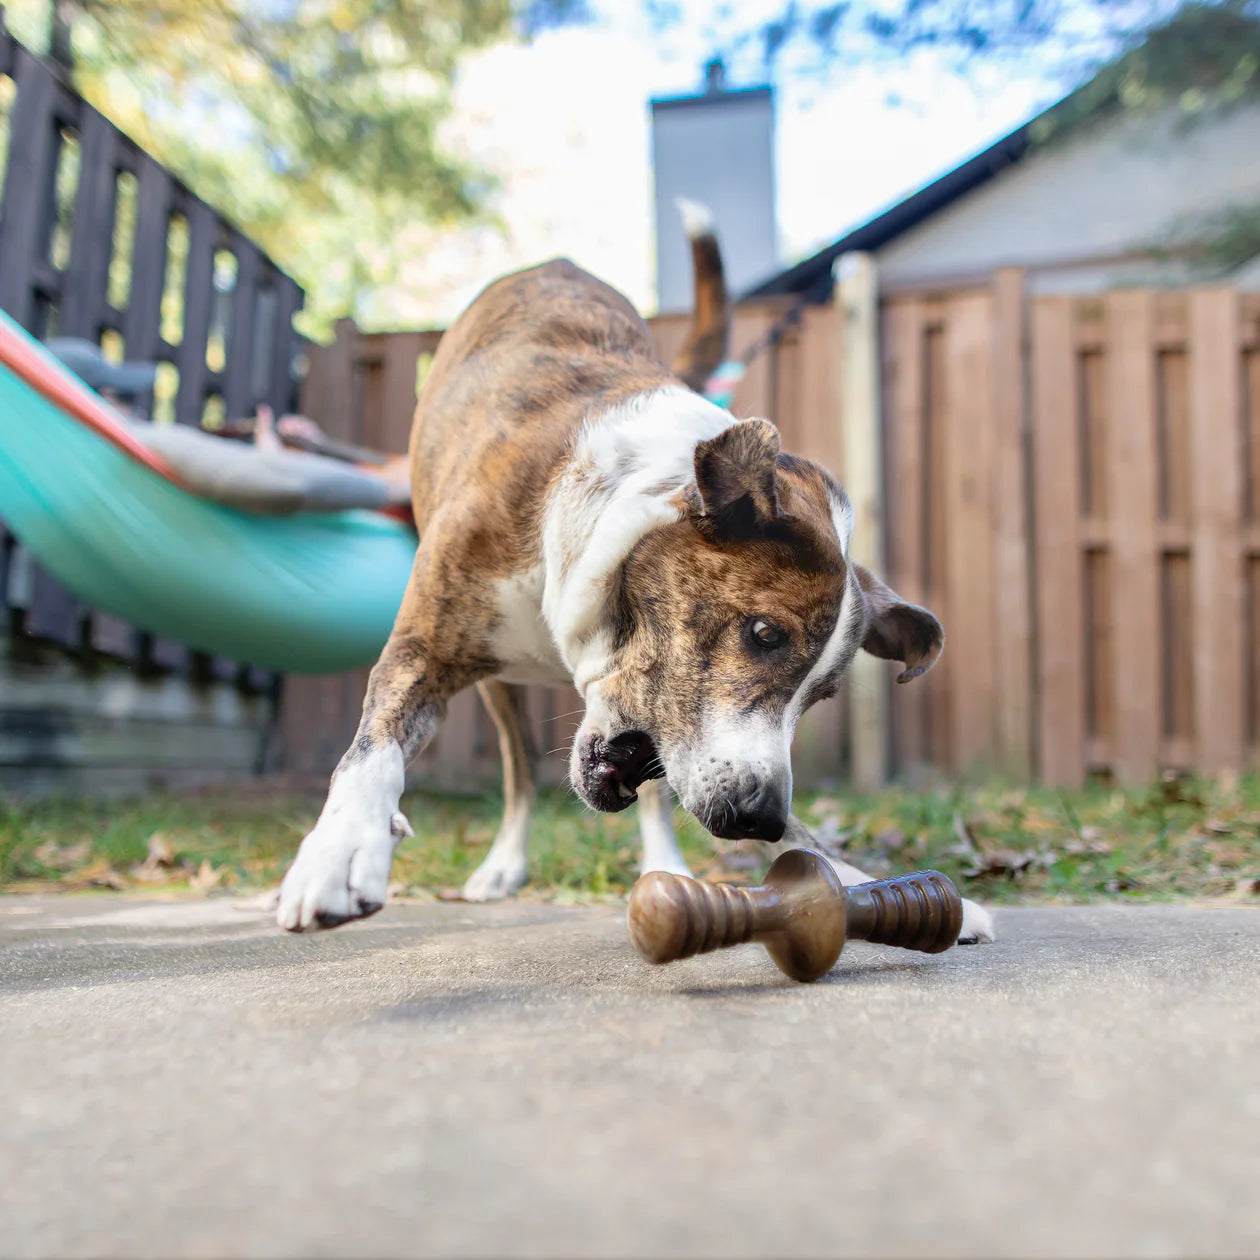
[735, 491]
[897, 631]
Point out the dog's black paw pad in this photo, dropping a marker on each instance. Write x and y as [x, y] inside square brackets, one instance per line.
[329, 919]
[367, 907]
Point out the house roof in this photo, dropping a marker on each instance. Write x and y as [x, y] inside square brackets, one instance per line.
[812, 277]
[1196, 45]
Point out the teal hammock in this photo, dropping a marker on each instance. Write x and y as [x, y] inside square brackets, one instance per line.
[309, 592]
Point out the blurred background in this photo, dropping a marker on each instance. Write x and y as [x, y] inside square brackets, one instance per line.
[996, 264]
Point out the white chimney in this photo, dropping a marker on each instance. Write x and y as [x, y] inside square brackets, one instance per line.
[716, 148]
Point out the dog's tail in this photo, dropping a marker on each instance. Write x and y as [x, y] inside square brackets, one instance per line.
[705, 347]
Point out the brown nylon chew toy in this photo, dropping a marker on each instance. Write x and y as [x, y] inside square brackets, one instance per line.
[802, 914]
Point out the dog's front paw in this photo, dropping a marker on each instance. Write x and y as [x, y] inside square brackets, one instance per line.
[341, 871]
[977, 925]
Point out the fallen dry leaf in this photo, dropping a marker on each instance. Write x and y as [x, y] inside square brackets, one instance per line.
[161, 851]
[146, 874]
[1230, 854]
[1178, 789]
[63, 857]
[98, 874]
[831, 838]
[891, 840]
[1005, 862]
[207, 876]
[159, 866]
[1087, 840]
[1121, 883]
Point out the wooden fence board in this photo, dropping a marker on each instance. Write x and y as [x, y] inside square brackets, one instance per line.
[1131, 485]
[1173, 483]
[1090, 429]
[25, 226]
[190, 356]
[967, 476]
[1011, 565]
[668, 334]
[280, 382]
[237, 385]
[905, 473]
[754, 395]
[142, 323]
[821, 423]
[398, 389]
[328, 392]
[1251, 434]
[1099, 672]
[1251, 665]
[1060, 616]
[148, 258]
[821, 746]
[787, 407]
[87, 276]
[1176, 594]
[1216, 493]
[938, 541]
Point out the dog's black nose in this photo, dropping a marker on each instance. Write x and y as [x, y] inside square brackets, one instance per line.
[761, 816]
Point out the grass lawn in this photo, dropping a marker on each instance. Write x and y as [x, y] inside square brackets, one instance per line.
[1178, 838]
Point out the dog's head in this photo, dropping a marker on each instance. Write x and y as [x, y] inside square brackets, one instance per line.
[727, 625]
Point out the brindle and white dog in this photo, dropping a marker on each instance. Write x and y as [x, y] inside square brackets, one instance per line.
[585, 516]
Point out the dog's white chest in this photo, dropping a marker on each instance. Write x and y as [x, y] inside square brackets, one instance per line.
[521, 639]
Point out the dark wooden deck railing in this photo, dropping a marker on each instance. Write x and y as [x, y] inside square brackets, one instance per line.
[97, 240]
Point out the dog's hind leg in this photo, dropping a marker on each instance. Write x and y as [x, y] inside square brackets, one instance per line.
[656, 827]
[506, 866]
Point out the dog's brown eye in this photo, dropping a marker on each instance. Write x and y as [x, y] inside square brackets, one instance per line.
[764, 635]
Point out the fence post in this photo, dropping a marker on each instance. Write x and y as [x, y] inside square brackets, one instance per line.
[857, 294]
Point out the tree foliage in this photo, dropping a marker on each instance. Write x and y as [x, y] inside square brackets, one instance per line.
[1202, 58]
[1201, 43]
[313, 123]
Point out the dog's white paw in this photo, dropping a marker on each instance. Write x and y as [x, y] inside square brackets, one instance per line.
[977, 925]
[504, 870]
[341, 871]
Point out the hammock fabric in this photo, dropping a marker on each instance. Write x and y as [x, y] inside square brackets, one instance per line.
[113, 521]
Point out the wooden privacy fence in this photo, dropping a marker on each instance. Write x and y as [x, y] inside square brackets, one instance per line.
[1072, 486]
[99, 241]
[1071, 483]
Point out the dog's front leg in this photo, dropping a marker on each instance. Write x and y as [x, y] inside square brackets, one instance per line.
[656, 827]
[341, 871]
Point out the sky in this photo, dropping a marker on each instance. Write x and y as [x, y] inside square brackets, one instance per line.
[564, 122]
